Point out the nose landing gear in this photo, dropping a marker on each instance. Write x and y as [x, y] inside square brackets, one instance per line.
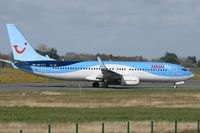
[175, 86]
[178, 83]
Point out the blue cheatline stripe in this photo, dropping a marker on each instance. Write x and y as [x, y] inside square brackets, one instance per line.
[50, 63]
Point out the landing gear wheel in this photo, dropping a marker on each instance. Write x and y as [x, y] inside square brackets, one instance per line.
[104, 85]
[175, 86]
[95, 84]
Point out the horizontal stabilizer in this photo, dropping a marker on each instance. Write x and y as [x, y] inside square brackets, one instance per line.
[6, 61]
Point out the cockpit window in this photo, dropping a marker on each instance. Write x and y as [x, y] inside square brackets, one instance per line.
[184, 69]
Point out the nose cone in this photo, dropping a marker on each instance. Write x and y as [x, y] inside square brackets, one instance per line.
[191, 74]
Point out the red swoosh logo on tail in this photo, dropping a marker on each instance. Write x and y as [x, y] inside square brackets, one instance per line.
[19, 51]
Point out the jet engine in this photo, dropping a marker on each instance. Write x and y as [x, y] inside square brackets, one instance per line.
[129, 80]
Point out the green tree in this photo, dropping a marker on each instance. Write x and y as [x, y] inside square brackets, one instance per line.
[198, 63]
[192, 59]
[51, 52]
[170, 58]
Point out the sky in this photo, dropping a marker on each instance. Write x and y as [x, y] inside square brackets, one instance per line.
[120, 27]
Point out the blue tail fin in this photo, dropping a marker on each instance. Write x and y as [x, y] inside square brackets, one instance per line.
[21, 48]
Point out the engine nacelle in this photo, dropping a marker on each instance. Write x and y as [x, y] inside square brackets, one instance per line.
[129, 80]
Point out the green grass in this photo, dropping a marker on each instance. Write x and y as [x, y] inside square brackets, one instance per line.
[38, 114]
[101, 105]
[10, 75]
[148, 97]
[196, 71]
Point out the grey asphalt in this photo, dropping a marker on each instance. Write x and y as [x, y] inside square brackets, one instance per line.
[84, 85]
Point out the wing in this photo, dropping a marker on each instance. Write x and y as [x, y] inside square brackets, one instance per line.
[108, 74]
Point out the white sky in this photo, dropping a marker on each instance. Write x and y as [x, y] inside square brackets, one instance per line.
[118, 27]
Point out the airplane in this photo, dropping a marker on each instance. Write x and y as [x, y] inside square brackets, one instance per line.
[100, 73]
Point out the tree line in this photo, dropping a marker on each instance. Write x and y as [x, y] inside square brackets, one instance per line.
[169, 57]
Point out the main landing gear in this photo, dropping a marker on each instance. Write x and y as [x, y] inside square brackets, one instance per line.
[97, 85]
[175, 86]
[104, 85]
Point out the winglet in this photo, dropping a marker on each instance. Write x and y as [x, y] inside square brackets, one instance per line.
[102, 66]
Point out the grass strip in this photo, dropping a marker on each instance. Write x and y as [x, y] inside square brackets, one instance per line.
[47, 114]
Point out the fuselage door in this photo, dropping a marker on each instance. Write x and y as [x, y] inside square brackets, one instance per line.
[174, 70]
[43, 68]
